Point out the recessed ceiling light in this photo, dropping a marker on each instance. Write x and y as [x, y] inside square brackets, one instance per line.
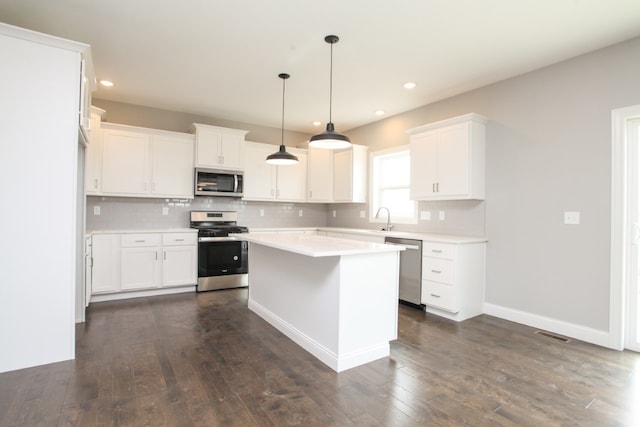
[380, 113]
[106, 83]
[409, 85]
[317, 123]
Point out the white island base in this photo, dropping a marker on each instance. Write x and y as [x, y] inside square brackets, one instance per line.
[343, 308]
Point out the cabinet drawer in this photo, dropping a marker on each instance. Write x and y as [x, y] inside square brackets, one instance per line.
[438, 250]
[440, 296]
[173, 239]
[438, 270]
[140, 240]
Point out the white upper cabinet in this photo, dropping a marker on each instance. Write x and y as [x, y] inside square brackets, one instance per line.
[218, 147]
[140, 162]
[267, 182]
[350, 175]
[337, 176]
[448, 159]
[320, 175]
[93, 154]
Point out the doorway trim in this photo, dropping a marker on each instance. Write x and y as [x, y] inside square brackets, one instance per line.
[619, 264]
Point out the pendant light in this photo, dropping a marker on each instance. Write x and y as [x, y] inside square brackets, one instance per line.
[281, 157]
[330, 138]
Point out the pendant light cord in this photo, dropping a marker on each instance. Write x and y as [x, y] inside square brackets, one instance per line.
[330, 82]
[282, 127]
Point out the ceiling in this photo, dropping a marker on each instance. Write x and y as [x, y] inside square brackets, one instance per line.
[222, 58]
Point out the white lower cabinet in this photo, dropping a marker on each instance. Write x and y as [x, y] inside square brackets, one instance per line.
[453, 279]
[142, 261]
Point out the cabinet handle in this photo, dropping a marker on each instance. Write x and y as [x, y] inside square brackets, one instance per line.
[435, 295]
[95, 183]
[436, 271]
[165, 255]
[140, 241]
[156, 255]
[310, 193]
[179, 240]
[436, 251]
[433, 187]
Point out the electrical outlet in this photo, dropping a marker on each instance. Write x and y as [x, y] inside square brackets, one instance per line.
[425, 215]
[572, 218]
[441, 215]
[300, 212]
[165, 210]
[333, 214]
[261, 212]
[362, 214]
[96, 210]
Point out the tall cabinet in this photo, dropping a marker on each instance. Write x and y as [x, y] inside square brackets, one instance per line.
[41, 147]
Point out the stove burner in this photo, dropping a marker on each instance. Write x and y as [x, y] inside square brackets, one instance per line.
[216, 223]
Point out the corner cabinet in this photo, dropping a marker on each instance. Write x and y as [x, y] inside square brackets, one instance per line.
[448, 159]
[93, 154]
[453, 279]
[273, 183]
[218, 147]
[142, 162]
[337, 176]
[157, 262]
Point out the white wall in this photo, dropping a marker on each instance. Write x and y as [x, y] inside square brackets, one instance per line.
[548, 151]
[38, 162]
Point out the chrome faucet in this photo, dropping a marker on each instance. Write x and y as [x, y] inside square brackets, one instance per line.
[388, 227]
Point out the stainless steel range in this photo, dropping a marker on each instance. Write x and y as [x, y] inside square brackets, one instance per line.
[222, 259]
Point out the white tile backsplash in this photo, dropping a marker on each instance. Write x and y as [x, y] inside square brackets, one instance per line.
[118, 213]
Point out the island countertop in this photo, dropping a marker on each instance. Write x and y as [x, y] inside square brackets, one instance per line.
[317, 246]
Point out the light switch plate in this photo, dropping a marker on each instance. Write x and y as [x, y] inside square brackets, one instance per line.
[333, 214]
[361, 214]
[572, 218]
[441, 215]
[96, 210]
[261, 212]
[300, 212]
[165, 210]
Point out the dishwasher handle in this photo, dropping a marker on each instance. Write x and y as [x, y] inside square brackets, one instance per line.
[415, 247]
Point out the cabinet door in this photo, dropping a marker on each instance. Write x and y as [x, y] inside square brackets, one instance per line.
[292, 179]
[231, 151]
[179, 265]
[424, 152]
[208, 147]
[343, 176]
[453, 160]
[172, 174]
[93, 158]
[124, 162]
[140, 268]
[258, 175]
[105, 264]
[320, 175]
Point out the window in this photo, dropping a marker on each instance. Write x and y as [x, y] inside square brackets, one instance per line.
[390, 186]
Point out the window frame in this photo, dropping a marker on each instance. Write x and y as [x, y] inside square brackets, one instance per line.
[373, 192]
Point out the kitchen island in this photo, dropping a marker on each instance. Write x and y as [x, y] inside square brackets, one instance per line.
[336, 298]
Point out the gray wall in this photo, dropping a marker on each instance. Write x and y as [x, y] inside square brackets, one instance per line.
[548, 151]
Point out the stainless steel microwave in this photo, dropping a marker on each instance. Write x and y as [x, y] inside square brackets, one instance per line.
[218, 182]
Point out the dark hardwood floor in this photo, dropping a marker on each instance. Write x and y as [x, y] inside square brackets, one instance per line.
[206, 360]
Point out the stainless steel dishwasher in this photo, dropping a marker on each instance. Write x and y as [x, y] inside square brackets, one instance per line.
[410, 268]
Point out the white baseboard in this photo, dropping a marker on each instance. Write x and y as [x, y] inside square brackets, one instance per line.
[331, 359]
[582, 333]
[141, 293]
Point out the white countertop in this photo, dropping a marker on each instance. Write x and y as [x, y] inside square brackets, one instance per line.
[425, 237]
[148, 230]
[316, 246]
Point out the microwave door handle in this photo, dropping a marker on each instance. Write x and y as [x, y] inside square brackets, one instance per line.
[235, 183]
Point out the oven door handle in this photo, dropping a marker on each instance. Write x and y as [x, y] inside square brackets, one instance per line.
[217, 239]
